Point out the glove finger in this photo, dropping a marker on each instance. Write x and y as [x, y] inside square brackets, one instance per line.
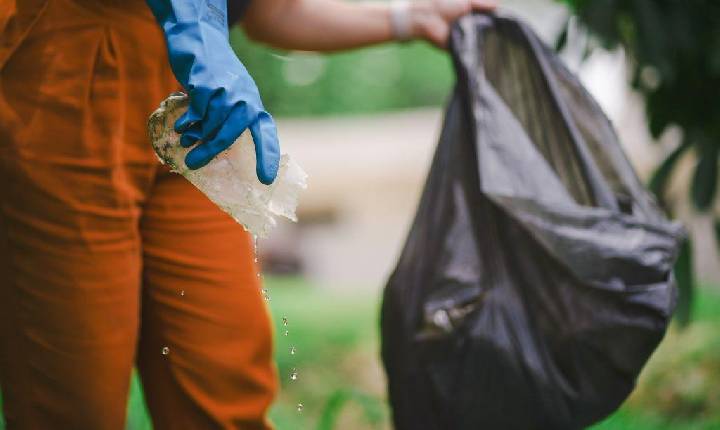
[197, 109]
[230, 130]
[217, 115]
[190, 136]
[267, 148]
[186, 120]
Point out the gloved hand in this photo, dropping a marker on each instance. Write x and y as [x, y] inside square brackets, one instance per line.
[224, 100]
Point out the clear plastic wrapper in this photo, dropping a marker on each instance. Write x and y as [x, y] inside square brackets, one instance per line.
[229, 180]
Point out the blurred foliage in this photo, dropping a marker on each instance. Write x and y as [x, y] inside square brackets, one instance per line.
[685, 280]
[340, 382]
[342, 386]
[678, 389]
[673, 47]
[384, 77]
[372, 407]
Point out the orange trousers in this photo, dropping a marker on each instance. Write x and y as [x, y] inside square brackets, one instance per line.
[106, 258]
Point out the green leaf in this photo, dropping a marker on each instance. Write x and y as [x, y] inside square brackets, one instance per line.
[651, 36]
[601, 16]
[704, 183]
[684, 279]
[659, 108]
[561, 39]
[661, 176]
[587, 49]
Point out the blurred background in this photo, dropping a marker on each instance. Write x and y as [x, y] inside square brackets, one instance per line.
[364, 126]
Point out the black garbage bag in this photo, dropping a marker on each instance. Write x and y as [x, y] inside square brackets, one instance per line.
[537, 279]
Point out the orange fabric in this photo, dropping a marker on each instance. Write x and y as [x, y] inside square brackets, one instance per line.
[91, 227]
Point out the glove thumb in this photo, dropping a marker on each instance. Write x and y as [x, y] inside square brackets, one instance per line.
[267, 148]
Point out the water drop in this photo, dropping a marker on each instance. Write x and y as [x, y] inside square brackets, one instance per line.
[294, 375]
[300, 407]
[285, 321]
[286, 333]
[182, 293]
[165, 350]
[293, 350]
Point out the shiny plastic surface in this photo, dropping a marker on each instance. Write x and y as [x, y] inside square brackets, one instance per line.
[537, 277]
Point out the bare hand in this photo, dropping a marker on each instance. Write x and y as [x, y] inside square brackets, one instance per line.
[431, 19]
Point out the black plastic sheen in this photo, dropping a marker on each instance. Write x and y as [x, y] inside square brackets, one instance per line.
[536, 279]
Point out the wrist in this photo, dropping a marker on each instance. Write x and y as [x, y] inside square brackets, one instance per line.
[420, 16]
[410, 19]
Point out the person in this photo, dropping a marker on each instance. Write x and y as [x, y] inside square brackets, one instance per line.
[108, 260]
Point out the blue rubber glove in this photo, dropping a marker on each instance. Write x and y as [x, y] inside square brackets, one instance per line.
[224, 100]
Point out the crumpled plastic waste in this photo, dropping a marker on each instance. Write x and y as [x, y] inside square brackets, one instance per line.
[537, 278]
[230, 179]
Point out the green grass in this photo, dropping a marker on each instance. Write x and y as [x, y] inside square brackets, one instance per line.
[678, 389]
[628, 418]
[341, 384]
[335, 336]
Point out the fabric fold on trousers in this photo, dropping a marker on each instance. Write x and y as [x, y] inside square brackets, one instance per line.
[105, 257]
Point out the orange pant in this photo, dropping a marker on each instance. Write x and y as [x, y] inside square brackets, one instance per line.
[91, 226]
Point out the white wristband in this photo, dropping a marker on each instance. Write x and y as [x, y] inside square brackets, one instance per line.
[400, 23]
